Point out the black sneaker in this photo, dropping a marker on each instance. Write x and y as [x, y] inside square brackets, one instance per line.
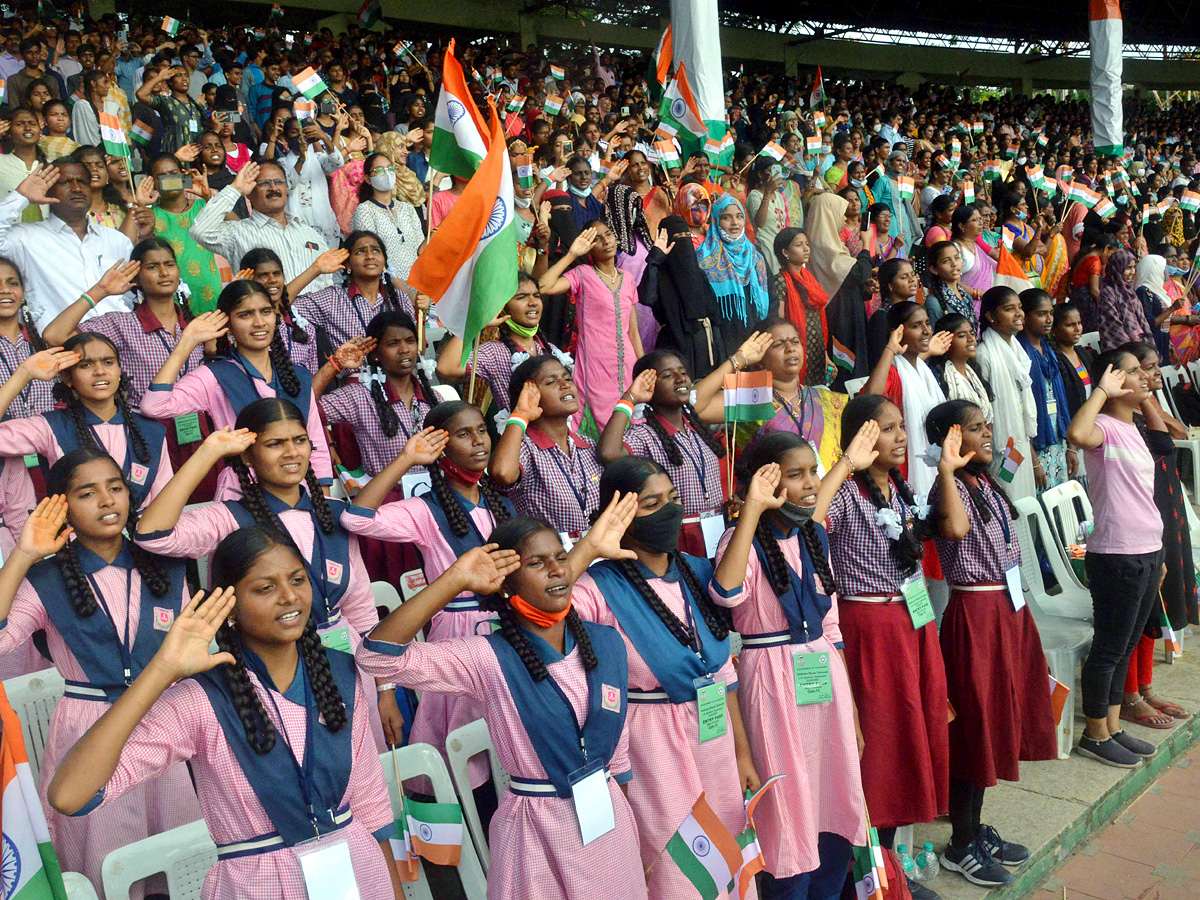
[1108, 752]
[920, 892]
[975, 864]
[1004, 852]
[1136, 746]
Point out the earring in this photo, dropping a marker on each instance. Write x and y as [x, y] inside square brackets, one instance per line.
[231, 622]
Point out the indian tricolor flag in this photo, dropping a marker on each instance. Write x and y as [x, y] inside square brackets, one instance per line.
[968, 192]
[1009, 272]
[813, 144]
[712, 148]
[773, 150]
[842, 355]
[1105, 208]
[1190, 201]
[435, 830]
[558, 72]
[1058, 698]
[460, 135]
[309, 83]
[991, 170]
[905, 187]
[553, 105]
[660, 65]
[468, 265]
[170, 26]
[667, 153]
[29, 869]
[977, 127]
[1011, 458]
[679, 106]
[748, 397]
[1170, 641]
[515, 103]
[113, 135]
[141, 133]
[707, 854]
[1106, 37]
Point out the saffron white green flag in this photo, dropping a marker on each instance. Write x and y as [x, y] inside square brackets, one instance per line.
[468, 265]
[707, 854]
[460, 136]
[28, 867]
[1105, 37]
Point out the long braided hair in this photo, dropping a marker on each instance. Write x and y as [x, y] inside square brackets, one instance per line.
[232, 561]
[79, 589]
[139, 253]
[262, 256]
[937, 426]
[237, 292]
[25, 317]
[442, 416]
[389, 421]
[513, 534]
[655, 359]
[906, 549]
[629, 475]
[258, 416]
[65, 393]
[772, 449]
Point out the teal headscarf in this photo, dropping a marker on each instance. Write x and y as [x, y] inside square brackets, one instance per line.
[734, 268]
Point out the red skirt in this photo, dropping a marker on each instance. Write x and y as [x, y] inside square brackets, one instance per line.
[997, 678]
[899, 685]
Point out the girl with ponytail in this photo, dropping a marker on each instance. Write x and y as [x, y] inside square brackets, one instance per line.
[672, 434]
[995, 668]
[251, 363]
[269, 453]
[95, 414]
[774, 573]
[553, 691]
[892, 654]
[677, 642]
[456, 514]
[239, 717]
[105, 605]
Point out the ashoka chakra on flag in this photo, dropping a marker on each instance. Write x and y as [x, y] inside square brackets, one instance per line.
[454, 110]
[701, 846]
[496, 219]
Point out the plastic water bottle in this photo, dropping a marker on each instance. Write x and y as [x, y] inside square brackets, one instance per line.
[927, 866]
[906, 861]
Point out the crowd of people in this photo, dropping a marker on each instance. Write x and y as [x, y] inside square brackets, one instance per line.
[214, 363]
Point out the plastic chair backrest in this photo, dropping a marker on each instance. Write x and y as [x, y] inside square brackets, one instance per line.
[446, 392]
[1193, 371]
[1072, 601]
[1064, 503]
[78, 887]
[33, 698]
[1172, 376]
[185, 854]
[1091, 340]
[854, 385]
[423, 759]
[461, 745]
[386, 595]
[1031, 574]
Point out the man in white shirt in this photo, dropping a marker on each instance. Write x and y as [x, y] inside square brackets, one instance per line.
[270, 225]
[64, 255]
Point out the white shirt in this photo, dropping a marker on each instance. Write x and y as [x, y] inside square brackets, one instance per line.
[308, 191]
[298, 244]
[57, 266]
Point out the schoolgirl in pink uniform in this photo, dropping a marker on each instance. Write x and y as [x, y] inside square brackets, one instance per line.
[788, 610]
[251, 363]
[269, 453]
[274, 727]
[677, 644]
[457, 514]
[105, 605]
[553, 690]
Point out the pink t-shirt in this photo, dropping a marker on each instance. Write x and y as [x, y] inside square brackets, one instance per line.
[1121, 488]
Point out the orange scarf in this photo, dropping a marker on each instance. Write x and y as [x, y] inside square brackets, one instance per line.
[538, 617]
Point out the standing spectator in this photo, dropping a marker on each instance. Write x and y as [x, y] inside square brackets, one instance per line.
[174, 213]
[189, 57]
[773, 204]
[391, 217]
[85, 114]
[1121, 316]
[54, 142]
[18, 85]
[181, 115]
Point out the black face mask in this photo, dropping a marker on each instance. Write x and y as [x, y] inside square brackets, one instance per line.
[797, 516]
[659, 531]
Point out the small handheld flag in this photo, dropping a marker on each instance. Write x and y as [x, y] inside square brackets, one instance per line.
[774, 151]
[516, 103]
[1190, 201]
[1170, 641]
[977, 128]
[170, 26]
[558, 72]
[667, 153]
[905, 187]
[113, 135]
[436, 831]
[991, 170]
[707, 854]
[524, 166]
[819, 118]
[968, 192]
[813, 144]
[370, 12]
[309, 83]
[748, 397]
[141, 133]
[1010, 462]
[1058, 698]
[842, 355]
[553, 105]
[712, 148]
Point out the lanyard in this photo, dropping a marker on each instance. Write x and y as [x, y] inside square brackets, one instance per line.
[167, 346]
[126, 648]
[581, 499]
[571, 711]
[787, 407]
[701, 467]
[303, 770]
[999, 514]
[353, 298]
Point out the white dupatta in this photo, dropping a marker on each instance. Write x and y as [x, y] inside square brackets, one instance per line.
[921, 394]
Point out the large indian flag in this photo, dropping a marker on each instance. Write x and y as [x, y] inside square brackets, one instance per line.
[1106, 36]
[460, 136]
[28, 867]
[696, 45]
[469, 265]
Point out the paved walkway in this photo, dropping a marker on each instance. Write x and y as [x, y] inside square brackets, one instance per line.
[1150, 852]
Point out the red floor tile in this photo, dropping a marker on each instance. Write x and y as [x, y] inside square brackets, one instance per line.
[1107, 877]
[1168, 810]
[1144, 842]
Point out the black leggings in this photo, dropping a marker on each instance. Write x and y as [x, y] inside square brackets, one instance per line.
[966, 810]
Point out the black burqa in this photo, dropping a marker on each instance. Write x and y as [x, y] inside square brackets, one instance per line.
[684, 303]
[847, 319]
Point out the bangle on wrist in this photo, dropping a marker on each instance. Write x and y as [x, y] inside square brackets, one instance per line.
[333, 364]
[624, 406]
[89, 298]
[385, 687]
[517, 420]
[848, 461]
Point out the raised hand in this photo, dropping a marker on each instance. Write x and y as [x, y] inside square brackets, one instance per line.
[896, 341]
[482, 570]
[940, 343]
[46, 364]
[331, 260]
[617, 170]
[425, 447]
[352, 353]
[187, 153]
[146, 193]
[529, 404]
[246, 179]
[544, 209]
[762, 493]
[43, 533]
[861, 452]
[206, 327]
[227, 442]
[117, 280]
[952, 450]
[604, 537]
[184, 651]
[755, 347]
[1113, 383]
[560, 174]
[663, 241]
[582, 245]
[642, 389]
[37, 184]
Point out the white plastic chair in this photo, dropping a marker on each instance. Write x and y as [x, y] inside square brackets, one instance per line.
[854, 385]
[1068, 507]
[1091, 340]
[1065, 641]
[446, 392]
[33, 698]
[78, 887]
[1071, 601]
[386, 595]
[423, 759]
[184, 854]
[461, 745]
